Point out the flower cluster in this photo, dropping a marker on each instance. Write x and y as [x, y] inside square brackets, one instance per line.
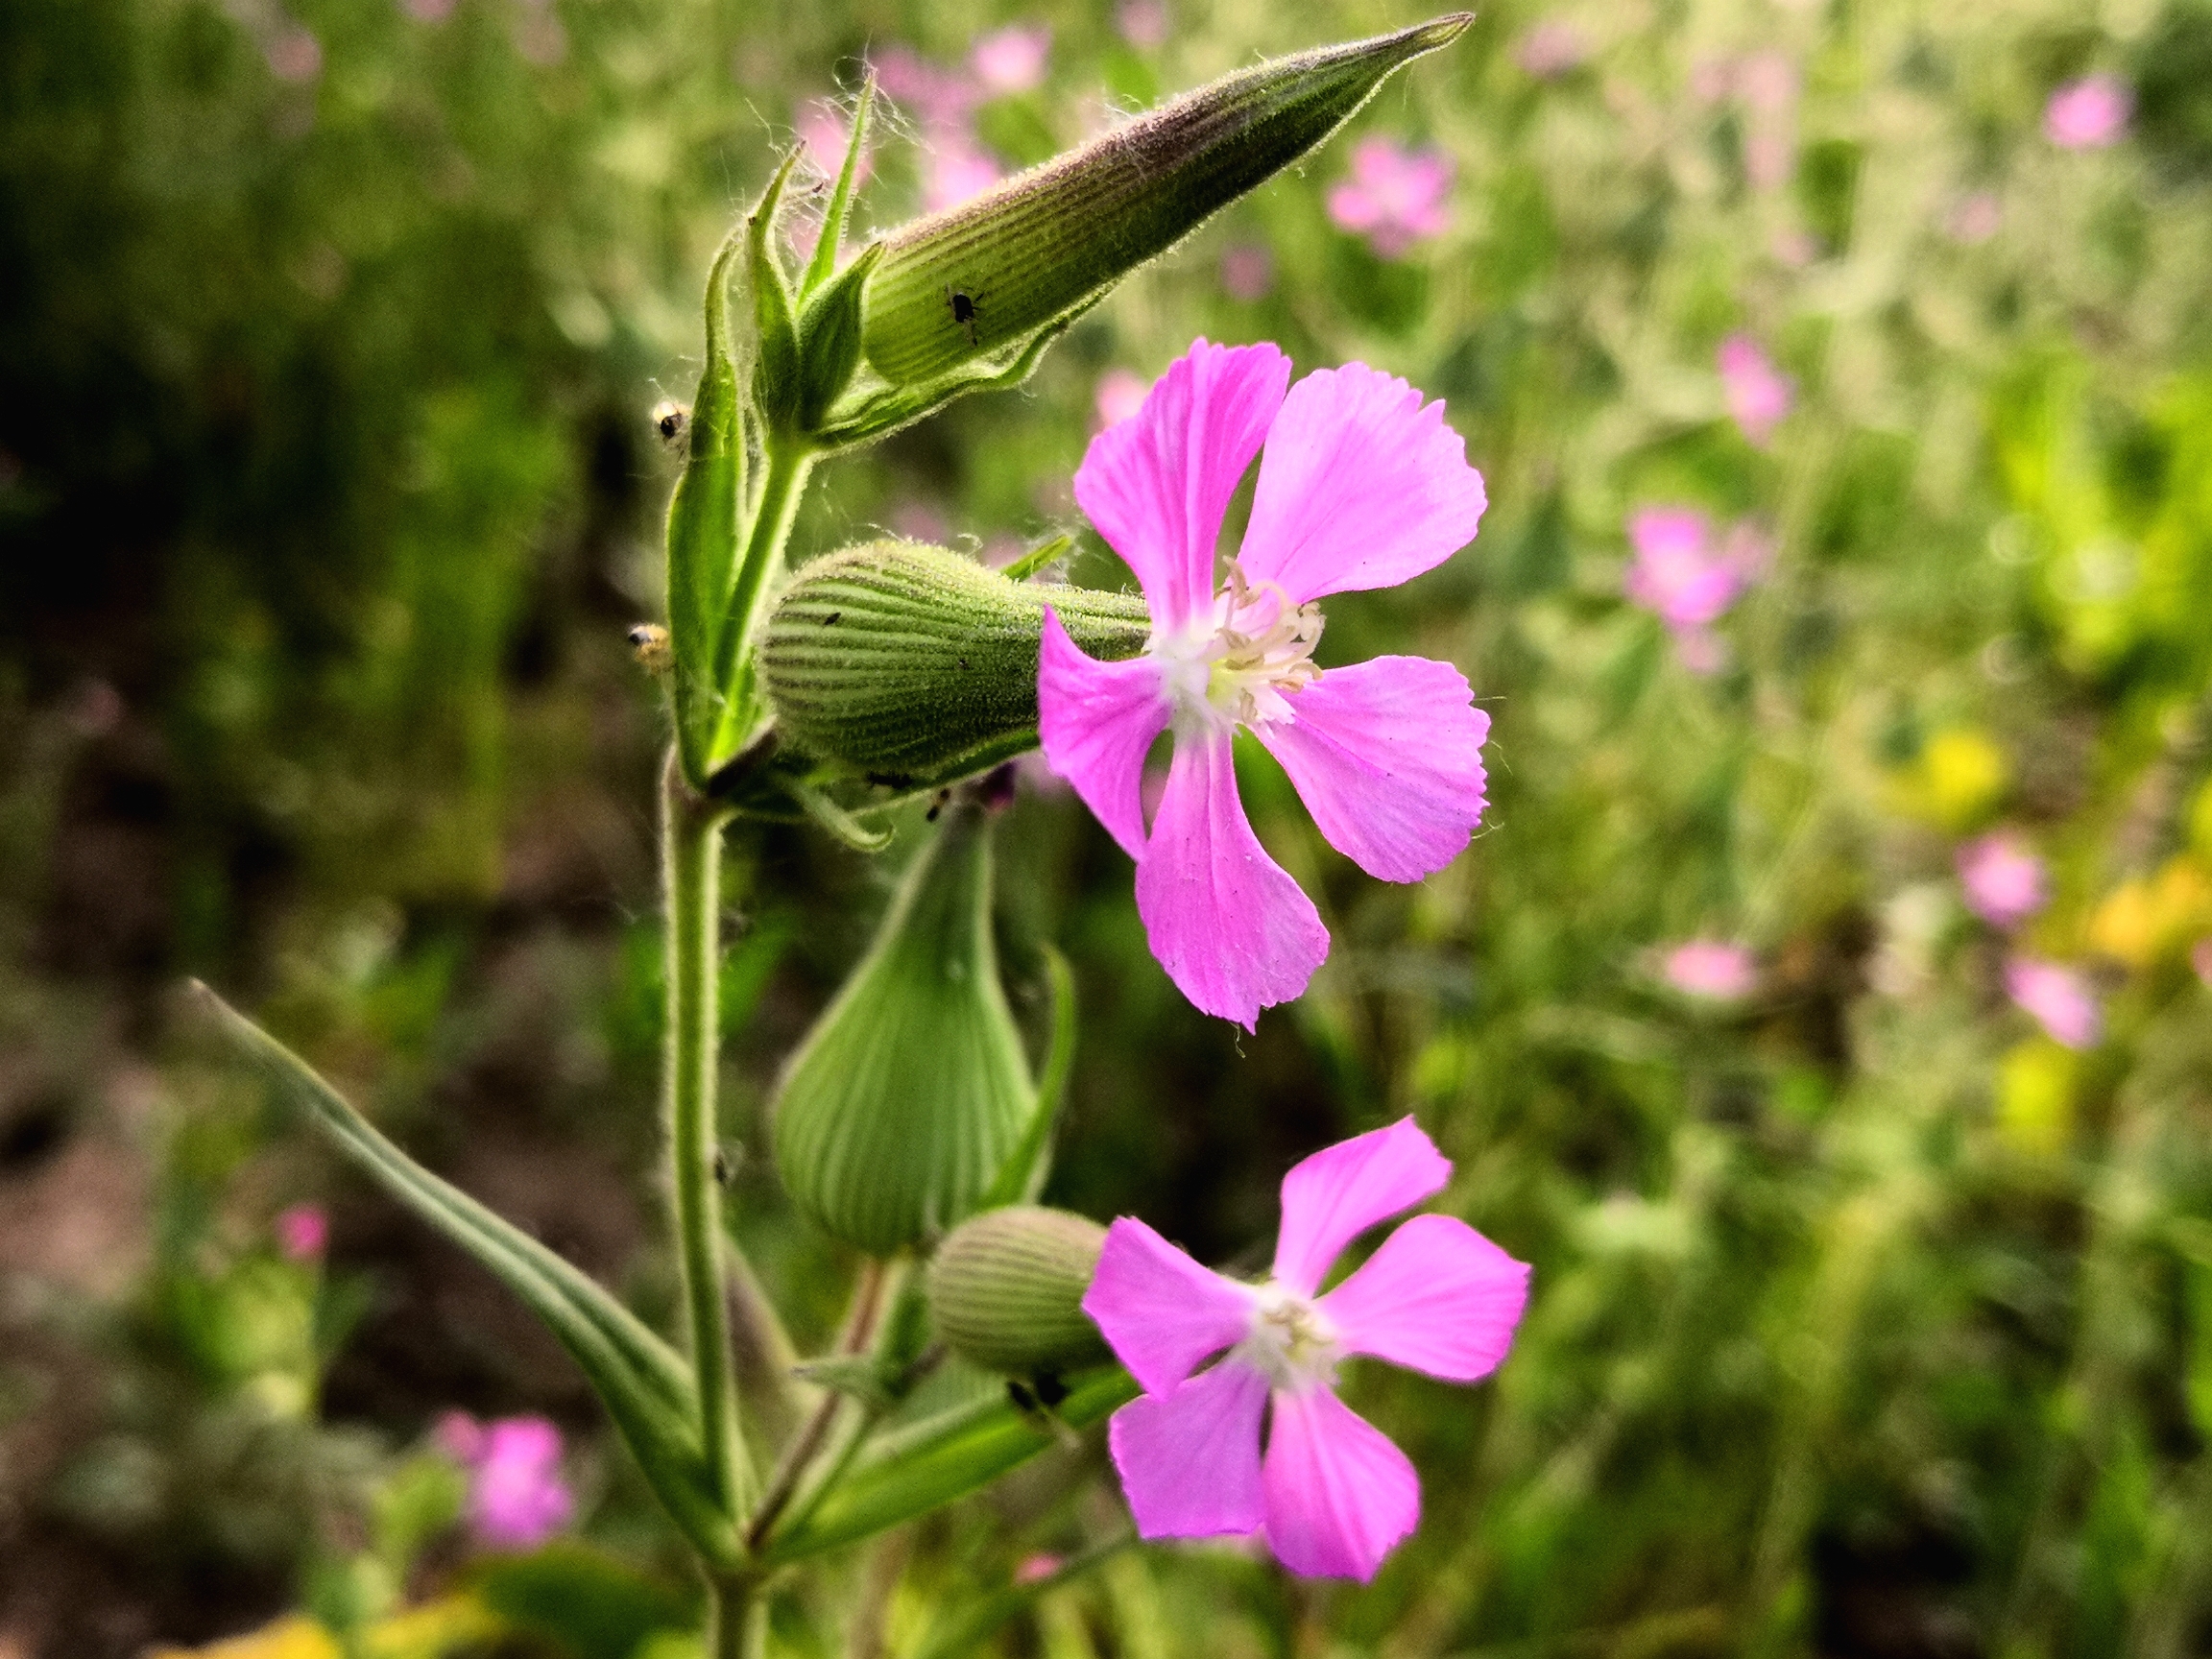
[1362, 485]
[956, 163]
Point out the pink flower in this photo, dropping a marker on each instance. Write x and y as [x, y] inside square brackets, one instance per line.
[938, 97]
[826, 133]
[2005, 882]
[1143, 23]
[302, 1233]
[2200, 959]
[1975, 217]
[516, 1497]
[956, 171]
[2058, 997]
[1687, 583]
[1362, 487]
[2088, 113]
[1394, 197]
[1121, 394]
[294, 55]
[1759, 395]
[1036, 1569]
[1712, 969]
[1332, 1493]
[1247, 270]
[1550, 49]
[1012, 60]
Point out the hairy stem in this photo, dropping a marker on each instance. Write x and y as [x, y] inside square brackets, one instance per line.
[782, 486]
[691, 866]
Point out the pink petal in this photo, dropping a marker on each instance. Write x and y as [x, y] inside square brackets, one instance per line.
[1339, 1495]
[1341, 1190]
[1157, 485]
[1159, 1311]
[1387, 755]
[1190, 1462]
[1362, 486]
[1437, 1297]
[1096, 721]
[1232, 930]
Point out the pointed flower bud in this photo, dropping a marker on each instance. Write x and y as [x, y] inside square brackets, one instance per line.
[912, 1090]
[977, 278]
[911, 664]
[1007, 1290]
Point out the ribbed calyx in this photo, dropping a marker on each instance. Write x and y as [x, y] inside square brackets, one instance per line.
[1007, 1290]
[977, 278]
[912, 1090]
[913, 665]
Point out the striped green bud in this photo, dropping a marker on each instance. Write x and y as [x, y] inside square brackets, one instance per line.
[976, 278]
[913, 665]
[1007, 1290]
[910, 1094]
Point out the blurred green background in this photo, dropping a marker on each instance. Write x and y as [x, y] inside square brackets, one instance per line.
[1866, 1320]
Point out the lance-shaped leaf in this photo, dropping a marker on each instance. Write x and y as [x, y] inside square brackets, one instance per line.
[644, 1385]
[976, 278]
[703, 533]
[825, 260]
[942, 1460]
[775, 321]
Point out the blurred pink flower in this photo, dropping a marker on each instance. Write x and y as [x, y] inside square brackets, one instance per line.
[1143, 23]
[1012, 60]
[954, 171]
[1688, 582]
[1711, 968]
[2058, 997]
[428, 11]
[1768, 83]
[1759, 393]
[538, 36]
[1395, 197]
[2088, 113]
[1121, 394]
[294, 55]
[918, 522]
[302, 1233]
[1036, 1569]
[2200, 959]
[825, 131]
[517, 1496]
[1550, 49]
[935, 96]
[2004, 881]
[1247, 270]
[1795, 249]
[1975, 217]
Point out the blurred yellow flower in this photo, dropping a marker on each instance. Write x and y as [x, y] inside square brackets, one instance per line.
[2035, 1098]
[286, 1639]
[1958, 776]
[2148, 918]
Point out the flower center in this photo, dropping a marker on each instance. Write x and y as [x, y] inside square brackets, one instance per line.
[1291, 1342]
[1233, 672]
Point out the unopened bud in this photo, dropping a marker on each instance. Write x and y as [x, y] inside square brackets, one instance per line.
[911, 1092]
[910, 663]
[967, 283]
[1007, 1290]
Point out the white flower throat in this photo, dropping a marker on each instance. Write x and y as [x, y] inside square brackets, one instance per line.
[1291, 1341]
[1232, 668]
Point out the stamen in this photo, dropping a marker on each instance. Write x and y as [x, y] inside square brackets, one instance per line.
[1260, 647]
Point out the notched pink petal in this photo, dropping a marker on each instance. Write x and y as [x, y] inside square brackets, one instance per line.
[1362, 486]
[1437, 1297]
[1159, 1311]
[1341, 1190]
[1387, 755]
[1190, 1462]
[1230, 927]
[1339, 1495]
[1096, 721]
[1157, 484]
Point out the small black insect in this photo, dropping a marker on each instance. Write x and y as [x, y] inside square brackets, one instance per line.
[965, 307]
[670, 421]
[937, 805]
[1019, 1392]
[1050, 1390]
[831, 619]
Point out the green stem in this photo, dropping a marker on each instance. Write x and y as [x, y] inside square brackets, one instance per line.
[691, 865]
[789, 462]
[737, 1619]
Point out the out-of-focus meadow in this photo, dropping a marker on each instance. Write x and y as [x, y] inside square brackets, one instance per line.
[1872, 1308]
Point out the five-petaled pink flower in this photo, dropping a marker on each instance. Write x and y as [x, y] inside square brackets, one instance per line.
[1759, 393]
[1332, 1493]
[1687, 578]
[2088, 113]
[1362, 486]
[517, 1496]
[1394, 198]
[2005, 883]
[2058, 997]
[1711, 968]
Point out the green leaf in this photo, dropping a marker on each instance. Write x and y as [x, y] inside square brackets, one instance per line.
[776, 329]
[825, 260]
[593, 1605]
[829, 340]
[644, 1385]
[964, 1635]
[944, 1459]
[1038, 557]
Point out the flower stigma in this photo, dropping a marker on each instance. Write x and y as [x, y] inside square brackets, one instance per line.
[1234, 669]
[1291, 1342]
